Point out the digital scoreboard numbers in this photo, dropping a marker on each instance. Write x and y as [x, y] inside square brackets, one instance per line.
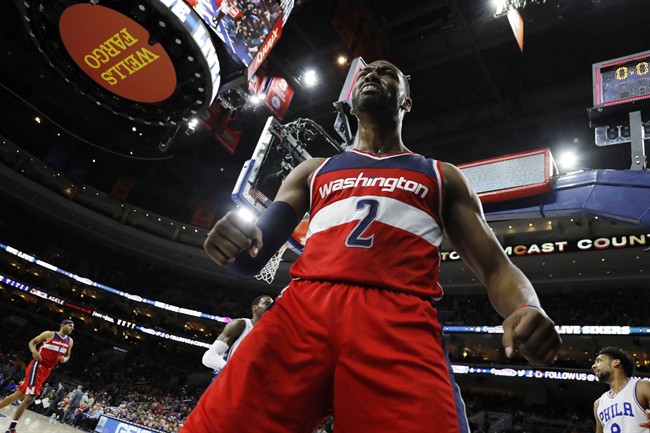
[625, 82]
[621, 80]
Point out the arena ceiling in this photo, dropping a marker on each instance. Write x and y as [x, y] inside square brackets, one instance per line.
[475, 94]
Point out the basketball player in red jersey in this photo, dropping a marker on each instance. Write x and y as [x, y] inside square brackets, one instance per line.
[54, 347]
[357, 330]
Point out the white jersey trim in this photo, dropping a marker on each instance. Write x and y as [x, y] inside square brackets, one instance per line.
[54, 347]
[391, 212]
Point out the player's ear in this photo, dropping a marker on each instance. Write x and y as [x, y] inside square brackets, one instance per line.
[406, 104]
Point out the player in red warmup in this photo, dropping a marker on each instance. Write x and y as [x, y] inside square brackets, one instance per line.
[54, 347]
[357, 331]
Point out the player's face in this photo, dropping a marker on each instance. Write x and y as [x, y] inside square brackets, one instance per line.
[263, 305]
[602, 367]
[67, 328]
[379, 87]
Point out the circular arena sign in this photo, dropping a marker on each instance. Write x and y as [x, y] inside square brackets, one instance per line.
[151, 61]
[114, 50]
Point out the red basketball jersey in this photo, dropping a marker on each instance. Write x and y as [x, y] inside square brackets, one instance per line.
[53, 349]
[375, 221]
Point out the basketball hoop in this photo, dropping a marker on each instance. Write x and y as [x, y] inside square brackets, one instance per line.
[271, 268]
[298, 237]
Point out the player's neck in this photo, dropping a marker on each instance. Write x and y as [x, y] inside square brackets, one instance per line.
[618, 384]
[380, 139]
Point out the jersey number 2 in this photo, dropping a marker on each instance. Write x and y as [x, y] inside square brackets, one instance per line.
[356, 239]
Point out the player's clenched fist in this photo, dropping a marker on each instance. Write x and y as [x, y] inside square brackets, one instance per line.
[231, 235]
[532, 333]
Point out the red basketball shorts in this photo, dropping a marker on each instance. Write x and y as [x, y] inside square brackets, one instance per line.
[374, 357]
[35, 375]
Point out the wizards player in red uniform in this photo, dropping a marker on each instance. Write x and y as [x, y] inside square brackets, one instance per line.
[54, 347]
[357, 331]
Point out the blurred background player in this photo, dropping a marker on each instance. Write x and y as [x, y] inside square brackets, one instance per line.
[54, 347]
[625, 408]
[227, 342]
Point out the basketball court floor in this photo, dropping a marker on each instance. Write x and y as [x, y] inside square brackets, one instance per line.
[32, 422]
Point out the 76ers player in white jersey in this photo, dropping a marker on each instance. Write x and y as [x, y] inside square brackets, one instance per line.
[625, 408]
[356, 333]
[54, 347]
[233, 334]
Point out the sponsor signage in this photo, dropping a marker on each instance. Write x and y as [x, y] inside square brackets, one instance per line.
[561, 329]
[153, 62]
[227, 136]
[114, 51]
[602, 243]
[266, 47]
[526, 373]
[278, 97]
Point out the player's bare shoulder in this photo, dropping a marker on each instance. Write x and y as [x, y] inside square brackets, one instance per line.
[455, 180]
[643, 393]
[308, 166]
[295, 188]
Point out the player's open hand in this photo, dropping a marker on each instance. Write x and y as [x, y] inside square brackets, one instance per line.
[532, 333]
[231, 235]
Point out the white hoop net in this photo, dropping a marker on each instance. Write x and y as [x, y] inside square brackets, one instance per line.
[271, 268]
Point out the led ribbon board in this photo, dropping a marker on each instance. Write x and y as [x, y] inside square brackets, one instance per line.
[512, 176]
[151, 61]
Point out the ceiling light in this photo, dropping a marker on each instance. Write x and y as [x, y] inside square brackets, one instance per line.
[567, 160]
[37, 119]
[257, 98]
[342, 60]
[499, 6]
[310, 78]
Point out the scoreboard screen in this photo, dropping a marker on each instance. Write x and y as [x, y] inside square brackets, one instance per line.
[626, 79]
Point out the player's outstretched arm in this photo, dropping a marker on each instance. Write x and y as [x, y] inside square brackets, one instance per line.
[213, 357]
[527, 328]
[643, 397]
[246, 246]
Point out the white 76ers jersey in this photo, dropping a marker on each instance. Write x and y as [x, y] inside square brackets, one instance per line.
[622, 413]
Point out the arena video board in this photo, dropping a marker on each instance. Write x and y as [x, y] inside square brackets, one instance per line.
[248, 30]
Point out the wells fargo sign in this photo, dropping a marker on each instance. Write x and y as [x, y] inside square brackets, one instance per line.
[113, 50]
